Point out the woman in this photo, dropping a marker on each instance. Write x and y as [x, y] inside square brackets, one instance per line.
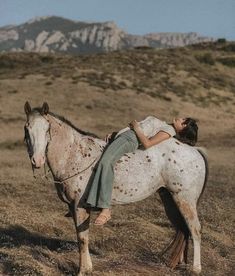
[148, 133]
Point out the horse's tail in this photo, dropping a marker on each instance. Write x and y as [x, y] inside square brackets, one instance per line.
[179, 245]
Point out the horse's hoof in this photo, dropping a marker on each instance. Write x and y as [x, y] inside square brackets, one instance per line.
[195, 272]
[86, 272]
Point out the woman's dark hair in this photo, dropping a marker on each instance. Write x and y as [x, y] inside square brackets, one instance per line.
[189, 134]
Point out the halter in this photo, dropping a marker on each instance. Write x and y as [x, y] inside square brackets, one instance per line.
[30, 153]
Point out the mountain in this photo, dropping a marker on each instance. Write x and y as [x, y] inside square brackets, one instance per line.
[56, 34]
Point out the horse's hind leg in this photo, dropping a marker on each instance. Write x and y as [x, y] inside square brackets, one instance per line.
[189, 212]
[81, 218]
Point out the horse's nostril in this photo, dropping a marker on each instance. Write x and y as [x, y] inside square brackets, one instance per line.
[33, 161]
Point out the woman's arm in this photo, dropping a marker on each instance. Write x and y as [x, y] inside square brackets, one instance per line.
[149, 142]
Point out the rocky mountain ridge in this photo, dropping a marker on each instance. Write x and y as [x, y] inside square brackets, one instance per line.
[56, 34]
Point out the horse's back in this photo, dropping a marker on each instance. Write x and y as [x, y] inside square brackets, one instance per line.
[172, 164]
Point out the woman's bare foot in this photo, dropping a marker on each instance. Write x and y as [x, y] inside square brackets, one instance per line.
[103, 217]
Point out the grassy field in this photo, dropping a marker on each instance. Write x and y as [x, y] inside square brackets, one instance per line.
[102, 93]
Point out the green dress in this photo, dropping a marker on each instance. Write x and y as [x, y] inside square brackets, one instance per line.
[100, 192]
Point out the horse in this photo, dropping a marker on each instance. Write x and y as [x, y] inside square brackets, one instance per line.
[178, 169]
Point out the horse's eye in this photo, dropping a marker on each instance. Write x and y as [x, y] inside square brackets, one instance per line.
[27, 124]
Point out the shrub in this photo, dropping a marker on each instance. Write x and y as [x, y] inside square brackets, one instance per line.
[221, 40]
[230, 61]
[229, 48]
[206, 58]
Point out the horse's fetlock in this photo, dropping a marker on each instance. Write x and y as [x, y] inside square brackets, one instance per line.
[196, 270]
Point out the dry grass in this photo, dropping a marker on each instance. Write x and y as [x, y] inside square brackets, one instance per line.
[102, 93]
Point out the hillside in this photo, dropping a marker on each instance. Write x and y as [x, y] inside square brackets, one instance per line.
[57, 34]
[101, 93]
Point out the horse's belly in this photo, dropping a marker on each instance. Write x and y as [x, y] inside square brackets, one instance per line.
[135, 179]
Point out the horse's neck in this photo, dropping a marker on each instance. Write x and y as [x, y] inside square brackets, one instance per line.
[67, 146]
[62, 137]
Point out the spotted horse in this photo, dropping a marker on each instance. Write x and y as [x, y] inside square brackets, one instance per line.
[177, 169]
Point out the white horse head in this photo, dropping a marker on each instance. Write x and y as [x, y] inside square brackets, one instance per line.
[36, 133]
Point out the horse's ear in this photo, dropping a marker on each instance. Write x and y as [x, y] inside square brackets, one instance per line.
[45, 108]
[27, 108]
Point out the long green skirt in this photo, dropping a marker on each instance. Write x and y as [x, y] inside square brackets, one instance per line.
[100, 192]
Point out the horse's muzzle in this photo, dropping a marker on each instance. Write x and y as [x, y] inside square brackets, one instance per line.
[38, 161]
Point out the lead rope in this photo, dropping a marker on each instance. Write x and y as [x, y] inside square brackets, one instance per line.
[77, 173]
[46, 173]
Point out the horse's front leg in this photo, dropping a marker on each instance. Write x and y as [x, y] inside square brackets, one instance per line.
[82, 220]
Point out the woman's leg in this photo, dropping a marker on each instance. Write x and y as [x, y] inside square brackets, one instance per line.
[101, 188]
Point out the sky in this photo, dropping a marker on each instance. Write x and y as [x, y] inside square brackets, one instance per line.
[214, 18]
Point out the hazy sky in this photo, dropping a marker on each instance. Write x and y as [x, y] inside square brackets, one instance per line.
[214, 18]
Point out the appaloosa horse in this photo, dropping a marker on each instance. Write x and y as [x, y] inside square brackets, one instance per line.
[72, 155]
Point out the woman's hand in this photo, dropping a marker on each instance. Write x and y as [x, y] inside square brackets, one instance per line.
[108, 137]
[134, 125]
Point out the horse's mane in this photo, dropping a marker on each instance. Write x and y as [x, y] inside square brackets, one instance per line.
[64, 120]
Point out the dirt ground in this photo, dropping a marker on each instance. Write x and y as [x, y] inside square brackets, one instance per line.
[36, 238]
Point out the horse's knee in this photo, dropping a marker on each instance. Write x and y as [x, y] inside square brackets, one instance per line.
[83, 236]
[196, 232]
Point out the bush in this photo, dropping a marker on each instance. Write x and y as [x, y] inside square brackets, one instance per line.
[230, 61]
[221, 40]
[206, 58]
[229, 48]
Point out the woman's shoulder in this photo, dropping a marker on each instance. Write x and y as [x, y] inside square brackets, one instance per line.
[151, 124]
[151, 118]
